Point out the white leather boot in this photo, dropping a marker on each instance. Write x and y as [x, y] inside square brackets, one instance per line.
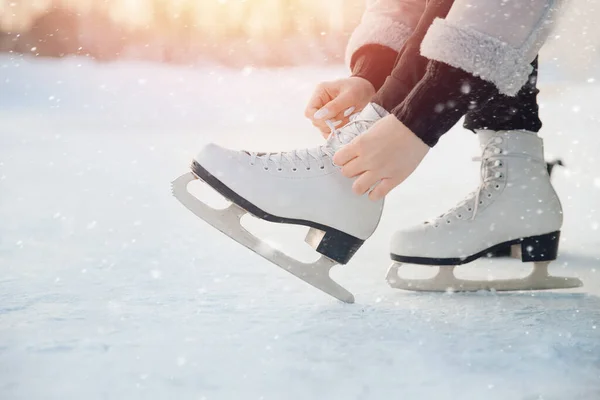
[515, 204]
[300, 187]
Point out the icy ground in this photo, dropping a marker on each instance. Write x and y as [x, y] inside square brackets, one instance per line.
[111, 289]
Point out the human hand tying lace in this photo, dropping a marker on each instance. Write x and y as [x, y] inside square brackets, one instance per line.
[381, 158]
[336, 101]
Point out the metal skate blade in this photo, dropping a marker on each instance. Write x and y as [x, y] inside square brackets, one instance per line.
[445, 281]
[228, 222]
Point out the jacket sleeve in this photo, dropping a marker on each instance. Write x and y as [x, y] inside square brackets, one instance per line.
[387, 23]
[493, 40]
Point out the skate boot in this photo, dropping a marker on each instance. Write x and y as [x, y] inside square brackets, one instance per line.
[507, 251]
[301, 187]
[515, 205]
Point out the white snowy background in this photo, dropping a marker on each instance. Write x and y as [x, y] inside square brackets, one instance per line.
[111, 289]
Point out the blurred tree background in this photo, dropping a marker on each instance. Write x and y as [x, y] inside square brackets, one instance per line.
[231, 32]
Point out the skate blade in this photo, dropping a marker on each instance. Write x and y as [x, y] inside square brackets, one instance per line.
[228, 222]
[445, 281]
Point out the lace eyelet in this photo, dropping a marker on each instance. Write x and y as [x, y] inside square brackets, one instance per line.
[308, 168]
[497, 187]
[459, 216]
[322, 167]
[294, 169]
[279, 169]
[266, 168]
[489, 195]
[470, 209]
[447, 221]
[480, 202]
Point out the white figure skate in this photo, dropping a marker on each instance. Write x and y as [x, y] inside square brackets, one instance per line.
[515, 205]
[301, 187]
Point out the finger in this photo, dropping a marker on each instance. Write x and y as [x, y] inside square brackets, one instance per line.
[332, 125]
[354, 167]
[320, 124]
[340, 117]
[349, 111]
[382, 189]
[319, 98]
[344, 116]
[345, 154]
[364, 182]
[336, 106]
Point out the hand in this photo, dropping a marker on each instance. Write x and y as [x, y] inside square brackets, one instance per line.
[332, 100]
[381, 158]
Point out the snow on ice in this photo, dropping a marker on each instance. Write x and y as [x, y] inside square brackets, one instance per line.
[110, 289]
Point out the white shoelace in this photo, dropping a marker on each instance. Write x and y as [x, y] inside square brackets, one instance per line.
[491, 159]
[303, 155]
[336, 139]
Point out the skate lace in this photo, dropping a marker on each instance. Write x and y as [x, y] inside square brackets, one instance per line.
[492, 159]
[295, 158]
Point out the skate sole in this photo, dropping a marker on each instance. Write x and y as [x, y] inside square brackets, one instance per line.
[446, 281]
[533, 248]
[335, 244]
[540, 249]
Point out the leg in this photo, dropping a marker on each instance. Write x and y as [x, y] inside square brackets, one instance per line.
[515, 207]
[504, 113]
[513, 181]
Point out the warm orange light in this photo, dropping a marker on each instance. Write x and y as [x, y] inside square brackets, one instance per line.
[251, 18]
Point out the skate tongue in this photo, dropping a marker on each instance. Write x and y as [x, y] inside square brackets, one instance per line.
[485, 136]
[373, 112]
[359, 123]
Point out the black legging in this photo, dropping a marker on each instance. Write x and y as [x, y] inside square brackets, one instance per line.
[430, 97]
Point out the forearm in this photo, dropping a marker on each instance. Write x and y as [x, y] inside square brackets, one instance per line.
[384, 29]
[374, 63]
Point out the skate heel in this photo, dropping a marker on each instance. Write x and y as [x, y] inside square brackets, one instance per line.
[333, 244]
[538, 248]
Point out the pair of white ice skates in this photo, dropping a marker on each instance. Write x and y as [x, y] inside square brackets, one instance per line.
[515, 205]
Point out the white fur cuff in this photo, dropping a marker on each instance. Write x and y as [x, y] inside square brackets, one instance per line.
[479, 54]
[377, 29]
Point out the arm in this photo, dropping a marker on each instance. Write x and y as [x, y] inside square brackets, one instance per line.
[374, 45]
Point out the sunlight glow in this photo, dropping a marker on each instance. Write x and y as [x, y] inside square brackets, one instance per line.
[252, 18]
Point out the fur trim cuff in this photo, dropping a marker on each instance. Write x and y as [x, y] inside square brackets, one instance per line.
[378, 29]
[478, 54]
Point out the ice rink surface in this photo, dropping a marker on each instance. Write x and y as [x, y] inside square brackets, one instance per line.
[111, 289]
